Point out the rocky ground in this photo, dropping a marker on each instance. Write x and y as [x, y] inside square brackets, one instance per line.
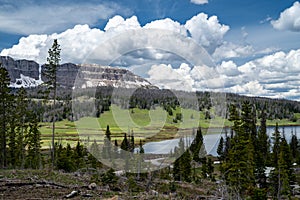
[43, 184]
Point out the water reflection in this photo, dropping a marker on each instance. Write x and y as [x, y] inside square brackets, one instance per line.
[211, 141]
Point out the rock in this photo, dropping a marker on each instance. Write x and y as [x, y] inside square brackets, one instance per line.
[74, 193]
[30, 74]
[17, 67]
[87, 195]
[92, 186]
[153, 192]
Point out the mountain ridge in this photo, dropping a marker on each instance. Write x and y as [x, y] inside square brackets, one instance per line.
[28, 73]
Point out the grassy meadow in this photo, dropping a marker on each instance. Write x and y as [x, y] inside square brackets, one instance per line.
[147, 125]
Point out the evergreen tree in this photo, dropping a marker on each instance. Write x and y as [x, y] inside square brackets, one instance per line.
[107, 144]
[186, 168]
[276, 146]
[238, 168]
[21, 115]
[125, 147]
[177, 170]
[220, 149]
[210, 168]
[125, 143]
[204, 168]
[50, 73]
[79, 155]
[294, 145]
[141, 151]
[116, 149]
[5, 104]
[12, 143]
[108, 133]
[94, 154]
[197, 147]
[262, 152]
[131, 142]
[282, 174]
[34, 157]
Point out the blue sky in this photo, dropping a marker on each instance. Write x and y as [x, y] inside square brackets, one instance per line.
[254, 44]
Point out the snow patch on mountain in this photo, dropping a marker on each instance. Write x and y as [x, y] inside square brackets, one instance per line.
[26, 82]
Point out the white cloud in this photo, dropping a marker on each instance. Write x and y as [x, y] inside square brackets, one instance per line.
[75, 43]
[231, 50]
[289, 19]
[78, 42]
[42, 17]
[119, 24]
[275, 75]
[207, 31]
[185, 77]
[167, 24]
[199, 2]
[251, 88]
[164, 76]
[228, 68]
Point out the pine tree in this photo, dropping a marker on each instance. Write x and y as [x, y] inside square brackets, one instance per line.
[220, 149]
[262, 152]
[197, 147]
[125, 147]
[141, 151]
[34, 157]
[5, 104]
[276, 146]
[22, 115]
[238, 168]
[282, 174]
[186, 168]
[125, 144]
[177, 170]
[116, 149]
[294, 145]
[108, 133]
[50, 73]
[12, 143]
[107, 144]
[210, 168]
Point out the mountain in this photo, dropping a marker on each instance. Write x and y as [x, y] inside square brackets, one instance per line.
[28, 73]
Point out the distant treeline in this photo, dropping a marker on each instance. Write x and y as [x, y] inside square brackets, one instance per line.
[144, 98]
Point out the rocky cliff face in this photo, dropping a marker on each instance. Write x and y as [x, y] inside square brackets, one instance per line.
[30, 74]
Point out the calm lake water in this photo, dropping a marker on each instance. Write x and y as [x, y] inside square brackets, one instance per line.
[211, 141]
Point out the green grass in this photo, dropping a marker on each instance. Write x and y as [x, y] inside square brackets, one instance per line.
[152, 125]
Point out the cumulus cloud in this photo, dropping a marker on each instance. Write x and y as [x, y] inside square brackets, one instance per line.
[78, 42]
[75, 43]
[119, 24]
[185, 77]
[199, 2]
[275, 75]
[228, 68]
[29, 17]
[165, 76]
[207, 31]
[252, 88]
[167, 24]
[231, 50]
[289, 19]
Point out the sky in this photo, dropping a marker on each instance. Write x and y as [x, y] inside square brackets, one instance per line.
[249, 47]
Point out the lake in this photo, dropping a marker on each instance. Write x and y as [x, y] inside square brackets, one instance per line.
[211, 141]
